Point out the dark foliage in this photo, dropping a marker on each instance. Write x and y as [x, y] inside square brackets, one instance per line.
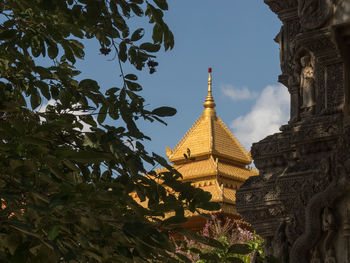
[65, 193]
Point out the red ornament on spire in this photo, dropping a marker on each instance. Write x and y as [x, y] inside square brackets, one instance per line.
[209, 70]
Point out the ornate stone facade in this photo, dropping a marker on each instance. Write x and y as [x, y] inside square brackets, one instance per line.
[300, 201]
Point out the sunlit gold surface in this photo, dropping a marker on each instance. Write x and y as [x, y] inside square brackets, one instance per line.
[211, 157]
[210, 136]
[215, 160]
[209, 103]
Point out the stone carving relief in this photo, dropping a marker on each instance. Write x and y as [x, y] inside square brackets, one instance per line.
[329, 229]
[307, 82]
[279, 39]
[320, 221]
[324, 249]
[294, 70]
[290, 77]
[277, 5]
[346, 234]
[280, 244]
[334, 83]
[320, 80]
[314, 13]
[303, 78]
[320, 43]
[305, 168]
[315, 256]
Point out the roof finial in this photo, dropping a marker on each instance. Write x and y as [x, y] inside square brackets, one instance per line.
[209, 80]
[209, 103]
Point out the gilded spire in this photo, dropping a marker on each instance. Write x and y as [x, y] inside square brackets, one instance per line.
[209, 103]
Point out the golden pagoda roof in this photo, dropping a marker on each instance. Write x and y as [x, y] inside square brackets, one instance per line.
[210, 167]
[224, 193]
[209, 136]
[211, 158]
[219, 193]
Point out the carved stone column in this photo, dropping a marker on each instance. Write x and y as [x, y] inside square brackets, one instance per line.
[298, 201]
[341, 33]
[294, 103]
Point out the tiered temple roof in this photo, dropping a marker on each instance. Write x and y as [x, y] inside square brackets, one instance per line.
[211, 157]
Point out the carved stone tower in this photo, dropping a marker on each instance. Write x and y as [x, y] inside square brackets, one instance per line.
[300, 201]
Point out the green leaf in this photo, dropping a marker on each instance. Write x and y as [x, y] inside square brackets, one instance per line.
[65, 97]
[122, 51]
[88, 119]
[77, 48]
[234, 260]
[157, 14]
[64, 172]
[102, 114]
[89, 156]
[210, 206]
[125, 32]
[35, 99]
[131, 77]
[210, 256]
[55, 231]
[157, 35]
[52, 50]
[92, 12]
[196, 237]
[150, 47]
[44, 88]
[164, 111]
[68, 52]
[183, 258]
[113, 33]
[242, 249]
[138, 34]
[112, 91]
[168, 38]
[195, 250]
[43, 72]
[89, 84]
[137, 1]
[162, 4]
[136, 9]
[175, 220]
[133, 86]
[8, 34]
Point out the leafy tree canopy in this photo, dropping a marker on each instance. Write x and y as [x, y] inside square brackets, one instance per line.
[65, 193]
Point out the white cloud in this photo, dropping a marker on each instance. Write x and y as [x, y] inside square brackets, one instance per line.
[86, 127]
[271, 110]
[42, 107]
[238, 94]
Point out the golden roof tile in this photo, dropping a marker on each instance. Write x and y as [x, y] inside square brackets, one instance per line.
[209, 136]
[196, 139]
[209, 167]
[220, 193]
[216, 194]
[229, 195]
[216, 162]
[197, 169]
[237, 173]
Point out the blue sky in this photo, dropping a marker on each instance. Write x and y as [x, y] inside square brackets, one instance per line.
[235, 38]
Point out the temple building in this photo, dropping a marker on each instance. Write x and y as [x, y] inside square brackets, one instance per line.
[300, 202]
[212, 158]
